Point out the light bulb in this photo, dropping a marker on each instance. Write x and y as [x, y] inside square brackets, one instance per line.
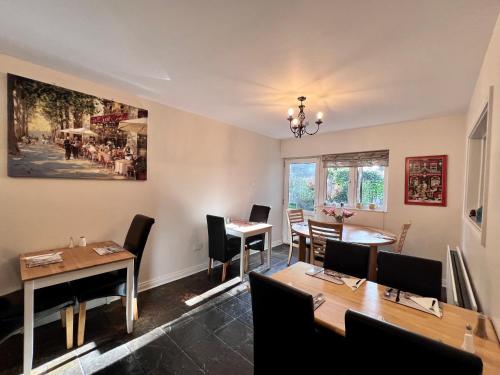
[319, 115]
[295, 122]
[290, 111]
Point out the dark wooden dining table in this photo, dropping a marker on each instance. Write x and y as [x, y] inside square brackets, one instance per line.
[358, 234]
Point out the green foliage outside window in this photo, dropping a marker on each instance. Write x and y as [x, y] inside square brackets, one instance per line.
[337, 185]
[301, 189]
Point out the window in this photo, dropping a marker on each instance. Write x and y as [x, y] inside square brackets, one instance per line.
[476, 170]
[302, 185]
[355, 178]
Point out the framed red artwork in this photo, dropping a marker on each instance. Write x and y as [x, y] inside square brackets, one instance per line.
[425, 180]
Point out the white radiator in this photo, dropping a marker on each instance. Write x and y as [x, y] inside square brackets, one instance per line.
[458, 287]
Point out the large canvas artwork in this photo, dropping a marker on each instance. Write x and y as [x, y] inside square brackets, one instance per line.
[54, 132]
[426, 180]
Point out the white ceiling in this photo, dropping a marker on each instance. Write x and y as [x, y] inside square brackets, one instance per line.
[245, 62]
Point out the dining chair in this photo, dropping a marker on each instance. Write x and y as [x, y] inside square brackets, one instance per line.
[319, 233]
[48, 300]
[402, 237]
[378, 347]
[113, 284]
[295, 216]
[347, 258]
[221, 246]
[259, 214]
[410, 274]
[283, 318]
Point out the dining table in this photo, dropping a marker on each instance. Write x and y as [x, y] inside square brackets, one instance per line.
[369, 300]
[77, 262]
[352, 233]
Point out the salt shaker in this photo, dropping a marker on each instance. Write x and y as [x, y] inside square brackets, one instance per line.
[71, 243]
[83, 241]
[468, 344]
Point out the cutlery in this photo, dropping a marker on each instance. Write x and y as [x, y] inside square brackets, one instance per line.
[397, 296]
[388, 292]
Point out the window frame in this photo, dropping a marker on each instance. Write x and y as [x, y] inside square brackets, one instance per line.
[353, 197]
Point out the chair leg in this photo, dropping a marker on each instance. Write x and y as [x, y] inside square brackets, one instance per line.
[290, 254]
[81, 323]
[246, 259]
[63, 318]
[224, 271]
[136, 310]
[69, 327]
[261, 257]
[210, 266]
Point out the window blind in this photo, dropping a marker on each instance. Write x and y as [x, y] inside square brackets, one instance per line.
[357, 159]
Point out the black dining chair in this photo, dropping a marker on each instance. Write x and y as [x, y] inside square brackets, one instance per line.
[259, 214]
[221, 246]
[350, 259]
[410, 274]
[48, 300]
[113, 284]
[283, 321]
[378, 347]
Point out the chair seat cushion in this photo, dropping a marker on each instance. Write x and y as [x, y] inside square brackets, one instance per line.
[100, 286]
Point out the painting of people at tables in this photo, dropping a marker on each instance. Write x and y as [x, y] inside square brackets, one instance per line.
[54, 132]
[426, 180]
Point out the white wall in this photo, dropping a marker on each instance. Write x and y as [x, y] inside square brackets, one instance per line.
[432, 227]
[484, 262]
[196, 166]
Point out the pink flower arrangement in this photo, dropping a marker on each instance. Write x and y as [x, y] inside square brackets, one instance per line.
[344, 214]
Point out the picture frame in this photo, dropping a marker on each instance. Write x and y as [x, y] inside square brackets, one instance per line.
[426, 180]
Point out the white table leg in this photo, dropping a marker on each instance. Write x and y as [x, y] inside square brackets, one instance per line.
[242, 257]
[269, 247]
[28, 326]
[130, 296]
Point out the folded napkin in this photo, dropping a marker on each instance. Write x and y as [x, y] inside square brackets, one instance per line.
[107, 250]
[43, 259]
[353, 282]
[427, 303]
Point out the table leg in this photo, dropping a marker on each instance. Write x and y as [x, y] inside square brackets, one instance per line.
[28, 326]
[269, 248]
[372, 269]
[130, 296]
[242, 257]
[302, 249]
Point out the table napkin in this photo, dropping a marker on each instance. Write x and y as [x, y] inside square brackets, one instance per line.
[107, 250]
[426, 303]
[351, 282]
[43, 259]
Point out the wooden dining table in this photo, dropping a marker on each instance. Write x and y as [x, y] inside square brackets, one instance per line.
[77, 262]
[368, 299]
[358, 234]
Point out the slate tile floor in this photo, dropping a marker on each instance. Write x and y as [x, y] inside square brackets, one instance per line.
[169, 337]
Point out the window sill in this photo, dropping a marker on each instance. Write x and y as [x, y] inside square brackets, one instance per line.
[474, 223]
[379, 210]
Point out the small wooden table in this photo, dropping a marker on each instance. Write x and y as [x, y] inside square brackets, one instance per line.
[78, 262]
[368, 299]
[245, 229]
[358, 234]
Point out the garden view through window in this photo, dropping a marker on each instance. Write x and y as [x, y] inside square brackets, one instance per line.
[352, 185]
[302, 186]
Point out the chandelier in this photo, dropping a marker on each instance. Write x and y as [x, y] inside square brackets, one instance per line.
[298, 125]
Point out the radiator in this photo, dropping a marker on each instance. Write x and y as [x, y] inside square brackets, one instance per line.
[458, 287]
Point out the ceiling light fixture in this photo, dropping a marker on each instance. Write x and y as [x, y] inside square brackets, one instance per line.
[299, 125]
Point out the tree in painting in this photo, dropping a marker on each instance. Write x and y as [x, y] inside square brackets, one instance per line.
[56, 132]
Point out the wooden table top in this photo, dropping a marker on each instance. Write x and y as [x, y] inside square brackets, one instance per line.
[355, 234]
[246, 227]
[368, 299]
[76, 258]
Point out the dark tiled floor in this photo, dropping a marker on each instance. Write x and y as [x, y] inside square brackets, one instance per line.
[169, 337]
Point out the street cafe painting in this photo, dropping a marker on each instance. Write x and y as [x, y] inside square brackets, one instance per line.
[54, 132]
[426, 180]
